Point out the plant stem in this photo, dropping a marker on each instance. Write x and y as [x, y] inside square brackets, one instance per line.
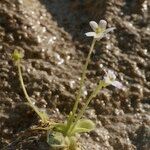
[40, 114]
[72, 116]
[83, 78]
[94, 93]
[80, 114]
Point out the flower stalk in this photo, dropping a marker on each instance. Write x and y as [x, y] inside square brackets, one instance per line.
[42, 115]
[93, 94]
[83, 77]
[73, 113]
[17, 56]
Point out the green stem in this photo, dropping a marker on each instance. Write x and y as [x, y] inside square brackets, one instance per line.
[83, 78]
[40, 114]
[80, 114]
[72, 116]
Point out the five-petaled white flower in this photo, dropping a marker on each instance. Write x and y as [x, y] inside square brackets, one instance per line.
[100, 30]
[110, 79]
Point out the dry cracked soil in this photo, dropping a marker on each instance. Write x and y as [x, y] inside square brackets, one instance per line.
[51, 35]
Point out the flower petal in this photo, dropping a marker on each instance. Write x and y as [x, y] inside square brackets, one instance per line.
[110, 77]
[107, 80]
[90, 34]
[109, 30]
[111, 74]
[117, 84]
[93, 25]
[102, 24]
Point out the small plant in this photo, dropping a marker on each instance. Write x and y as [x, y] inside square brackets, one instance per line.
[63, 135]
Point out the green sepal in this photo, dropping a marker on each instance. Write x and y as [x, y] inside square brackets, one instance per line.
[102, 83]
[17, 55]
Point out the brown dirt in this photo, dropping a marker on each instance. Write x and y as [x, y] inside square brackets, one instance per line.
[51, 35]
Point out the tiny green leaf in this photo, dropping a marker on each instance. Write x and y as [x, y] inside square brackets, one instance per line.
[83, 125]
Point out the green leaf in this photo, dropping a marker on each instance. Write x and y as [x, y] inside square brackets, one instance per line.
[56, 140]
[83, 125]
[61, 127]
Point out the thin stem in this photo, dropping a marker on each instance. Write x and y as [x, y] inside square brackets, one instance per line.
[80, 114]
[72, 116]
[40, 114]
[94, 93]
[83, 78]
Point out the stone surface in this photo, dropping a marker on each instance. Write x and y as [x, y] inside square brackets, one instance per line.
[51, 35]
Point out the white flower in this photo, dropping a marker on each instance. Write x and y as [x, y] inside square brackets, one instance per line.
[100, 30]
[110, 79]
